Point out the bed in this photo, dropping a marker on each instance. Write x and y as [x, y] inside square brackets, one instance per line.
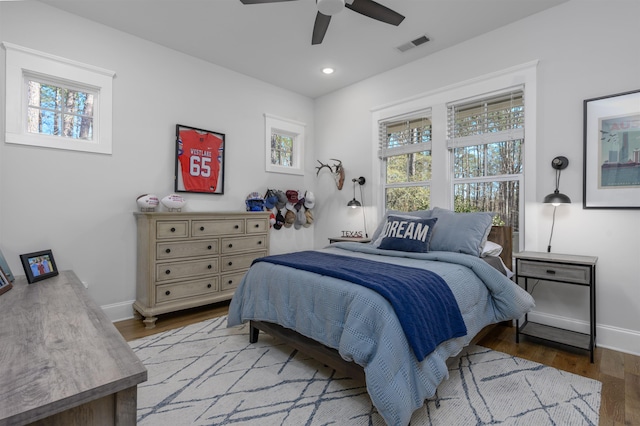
[364, 332]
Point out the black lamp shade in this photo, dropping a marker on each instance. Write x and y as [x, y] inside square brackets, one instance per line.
[557, 198]
[354, 203]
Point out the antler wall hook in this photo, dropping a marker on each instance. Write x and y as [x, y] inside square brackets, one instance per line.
[337, 171]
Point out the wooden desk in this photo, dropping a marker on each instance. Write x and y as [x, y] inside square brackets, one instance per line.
[62, 361]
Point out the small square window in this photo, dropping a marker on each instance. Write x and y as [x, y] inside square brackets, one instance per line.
[58, 103]
[284, 145]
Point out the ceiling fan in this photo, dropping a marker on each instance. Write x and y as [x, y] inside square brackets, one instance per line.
[328, 8]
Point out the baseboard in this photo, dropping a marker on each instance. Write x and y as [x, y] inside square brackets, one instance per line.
[615, 338]
[119, 311]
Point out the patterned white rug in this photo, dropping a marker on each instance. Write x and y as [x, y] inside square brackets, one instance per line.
[207, 374]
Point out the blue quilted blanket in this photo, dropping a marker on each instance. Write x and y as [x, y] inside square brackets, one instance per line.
[424, 303]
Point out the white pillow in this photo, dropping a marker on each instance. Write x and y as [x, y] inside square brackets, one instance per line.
[491, 249]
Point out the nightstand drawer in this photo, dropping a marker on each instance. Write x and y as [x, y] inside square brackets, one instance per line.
[554, 271]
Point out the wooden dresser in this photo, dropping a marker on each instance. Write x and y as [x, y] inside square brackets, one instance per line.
[62, 362]
[194, 258]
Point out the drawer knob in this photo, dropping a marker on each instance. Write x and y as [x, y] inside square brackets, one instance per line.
[202, 228]
[236, 227]
[208, 266]
[209, 285]
[209, 247]
[168, 271]
[259, 242]
[173, 229]
[168, 251]
[230, 263]
[551, 272]
[230, 282]
[257, 225]
[230, 245]
[167, 292]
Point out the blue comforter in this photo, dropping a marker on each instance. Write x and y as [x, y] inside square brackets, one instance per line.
[362, 325]
[422, 301]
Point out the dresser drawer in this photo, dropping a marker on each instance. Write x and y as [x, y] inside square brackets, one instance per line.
[239, 261]
[172, 229]
[170, 292]
[203, 228]
[554, 271]
[255, 226]
[238, 244]
[176, 250]
[231, 281]
[179, 270]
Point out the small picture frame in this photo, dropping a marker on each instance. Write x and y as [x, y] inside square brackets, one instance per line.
[5, 284]
[39, 265]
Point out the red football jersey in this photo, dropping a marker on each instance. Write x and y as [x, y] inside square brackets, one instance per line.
[199, 161]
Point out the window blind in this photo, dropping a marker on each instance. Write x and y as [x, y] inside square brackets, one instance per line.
[493, 118]
[404, 135]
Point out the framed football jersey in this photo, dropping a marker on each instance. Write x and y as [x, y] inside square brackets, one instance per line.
[199, 160]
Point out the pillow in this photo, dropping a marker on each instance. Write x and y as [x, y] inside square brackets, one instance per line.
[460, 232]
[491, 249]
[404, 233]
[425, 214]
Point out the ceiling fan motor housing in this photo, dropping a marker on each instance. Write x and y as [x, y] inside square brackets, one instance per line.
[330, 7]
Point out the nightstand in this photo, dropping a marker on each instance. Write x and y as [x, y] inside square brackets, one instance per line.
[352, 239]
[562, 269]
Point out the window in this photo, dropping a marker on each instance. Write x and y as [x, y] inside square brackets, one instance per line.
[486, 138]
[57, 103]
[284, 145]
[468, 153]
[56, 110]
[405, 151]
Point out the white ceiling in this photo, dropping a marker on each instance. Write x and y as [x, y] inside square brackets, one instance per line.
[272, 42]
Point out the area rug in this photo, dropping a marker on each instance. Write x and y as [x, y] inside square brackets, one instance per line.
[208, 374]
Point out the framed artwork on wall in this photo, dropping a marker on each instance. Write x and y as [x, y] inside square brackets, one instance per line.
[612, 152]
[199, 160]
[39, 265]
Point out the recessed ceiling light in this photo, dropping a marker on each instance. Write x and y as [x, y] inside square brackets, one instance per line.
[327, 70]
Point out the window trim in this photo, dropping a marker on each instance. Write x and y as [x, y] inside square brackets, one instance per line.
[437, 100]
[23, 63]
[292, 128]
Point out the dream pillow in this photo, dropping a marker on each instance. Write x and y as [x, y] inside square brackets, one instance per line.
[405, 233]
[375, 237]
[460, 232]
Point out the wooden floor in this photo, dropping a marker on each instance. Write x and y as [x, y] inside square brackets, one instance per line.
[618, 372]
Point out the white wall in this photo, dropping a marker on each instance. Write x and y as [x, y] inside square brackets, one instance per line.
[584, 49]
[80, 205]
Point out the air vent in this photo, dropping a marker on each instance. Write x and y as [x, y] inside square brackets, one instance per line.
[413, 43]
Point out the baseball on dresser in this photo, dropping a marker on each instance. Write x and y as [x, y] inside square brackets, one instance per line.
[147, 202]
[174, 202]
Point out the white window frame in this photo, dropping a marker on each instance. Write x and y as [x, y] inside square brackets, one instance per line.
[385, 153]
[295, 130]
[437, 100]
[23, 64]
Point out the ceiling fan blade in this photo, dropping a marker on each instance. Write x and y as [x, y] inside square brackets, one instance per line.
[320, 28]
[262, 1]
[376, 11]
